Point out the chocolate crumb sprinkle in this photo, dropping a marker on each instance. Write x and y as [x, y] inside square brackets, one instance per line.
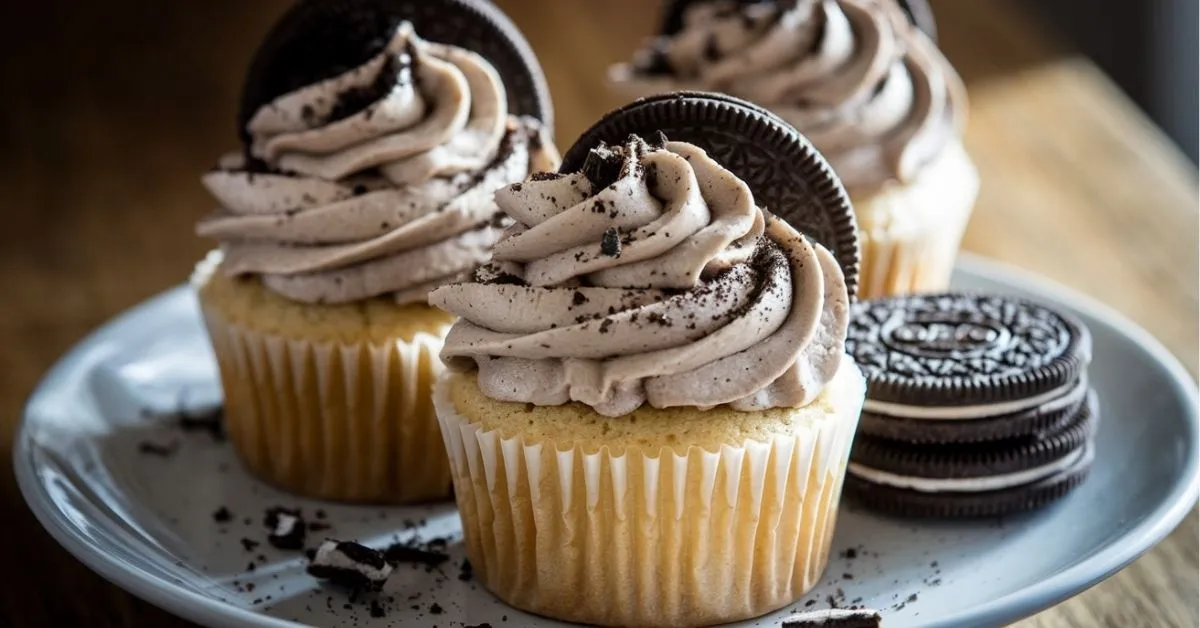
[610, 245]
[602, 167]
[287, 528]
[712, 51]
[349, 564]
[406, 553]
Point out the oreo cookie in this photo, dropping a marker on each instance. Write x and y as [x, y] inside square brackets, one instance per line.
[319, 39]
[905, 502]
[918, 11]
[990, 459]
[788, 177]
[951, 367]
[977, 404]
[350, 564]
[834, 618]
[977, 480]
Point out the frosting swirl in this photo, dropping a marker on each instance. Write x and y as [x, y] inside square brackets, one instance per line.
[871, 91]
[376, 181]
[649, 277]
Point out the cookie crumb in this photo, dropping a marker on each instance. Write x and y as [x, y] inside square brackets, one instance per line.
[407, 553]
[834, 618]
[287, 528]
[610, 244]
[350, 564]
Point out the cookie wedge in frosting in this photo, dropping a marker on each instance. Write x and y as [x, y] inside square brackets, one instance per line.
[374, 143]
[651, 368]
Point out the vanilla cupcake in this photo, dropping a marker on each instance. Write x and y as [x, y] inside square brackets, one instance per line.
[647, 405]
[358, 192]
[870, 90]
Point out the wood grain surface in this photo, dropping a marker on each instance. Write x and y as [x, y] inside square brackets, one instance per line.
[111, 110]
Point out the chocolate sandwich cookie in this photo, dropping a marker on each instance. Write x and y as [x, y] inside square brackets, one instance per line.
[982, 479]
[350, 564]
[976, 461]
[787, 176]
[917, 10]
[834, 618]
[319, 39]
[970, 497]
[977, 405]
[958, 367]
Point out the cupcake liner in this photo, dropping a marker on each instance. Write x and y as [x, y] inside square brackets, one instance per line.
[351, 422]
[910, 234]
[895, 266]
[646, 538]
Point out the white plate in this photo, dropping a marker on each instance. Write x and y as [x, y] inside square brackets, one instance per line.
[145, 522]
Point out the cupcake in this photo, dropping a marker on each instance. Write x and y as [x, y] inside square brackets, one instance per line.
[362, 186]
[868, 88]
[647, 404]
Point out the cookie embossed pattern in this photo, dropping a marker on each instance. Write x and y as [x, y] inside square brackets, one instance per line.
[978, 404]
[917, 345]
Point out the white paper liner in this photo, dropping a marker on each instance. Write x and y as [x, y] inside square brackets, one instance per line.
[351, 422]
[649, 540]
[910, 234]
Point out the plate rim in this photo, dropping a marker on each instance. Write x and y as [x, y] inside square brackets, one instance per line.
[167, 596]
[1021, 603]
[1159, 523]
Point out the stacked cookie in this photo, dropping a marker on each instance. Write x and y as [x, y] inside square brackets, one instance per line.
[977, 405]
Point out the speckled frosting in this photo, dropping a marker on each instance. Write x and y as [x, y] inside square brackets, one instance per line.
[651, 277]
[377, 181]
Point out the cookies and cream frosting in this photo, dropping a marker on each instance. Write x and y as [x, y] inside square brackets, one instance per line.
[376, 181]
[649, 277]
[872, 92]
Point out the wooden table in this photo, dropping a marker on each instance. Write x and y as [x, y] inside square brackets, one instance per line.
[112, 110]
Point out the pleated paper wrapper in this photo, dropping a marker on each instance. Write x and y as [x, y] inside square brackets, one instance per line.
[347, 422]
[635, 539]
[910, 234]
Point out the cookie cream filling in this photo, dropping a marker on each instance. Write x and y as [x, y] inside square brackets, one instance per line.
[1081, 456]
[1050, 401]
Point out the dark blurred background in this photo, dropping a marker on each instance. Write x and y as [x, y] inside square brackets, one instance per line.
[1149, 47]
